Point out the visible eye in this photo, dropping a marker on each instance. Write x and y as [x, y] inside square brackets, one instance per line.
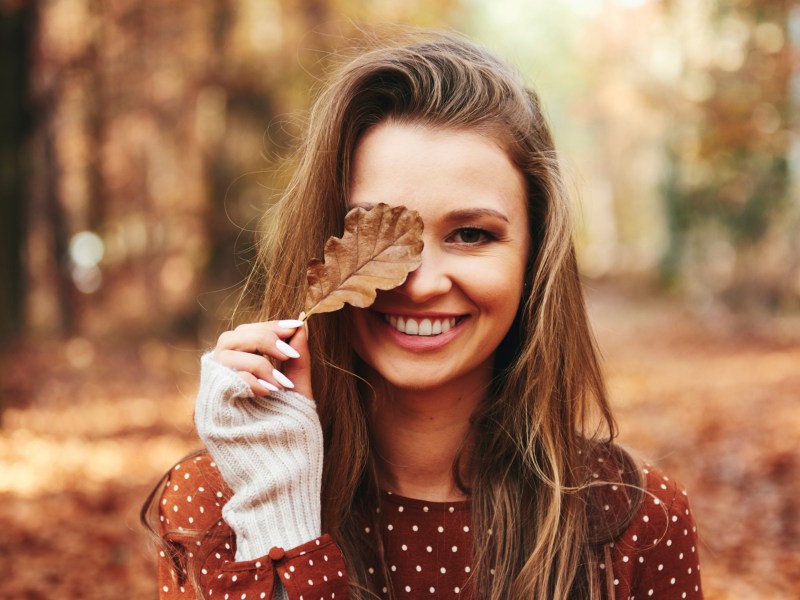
[472, 236]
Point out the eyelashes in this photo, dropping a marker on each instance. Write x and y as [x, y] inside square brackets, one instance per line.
[472, 236]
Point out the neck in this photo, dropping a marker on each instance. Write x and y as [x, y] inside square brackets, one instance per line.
[417, 435]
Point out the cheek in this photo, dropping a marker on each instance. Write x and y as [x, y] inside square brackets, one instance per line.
[499, 288]
[507, 287]
[355, 319]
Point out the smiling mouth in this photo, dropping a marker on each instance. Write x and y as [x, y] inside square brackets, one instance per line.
[423, 327]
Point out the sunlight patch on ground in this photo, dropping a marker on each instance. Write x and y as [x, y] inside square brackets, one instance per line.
[102, 416]
[83, 446]
[34, 463]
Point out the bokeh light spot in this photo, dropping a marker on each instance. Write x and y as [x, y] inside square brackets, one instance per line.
[86, 249]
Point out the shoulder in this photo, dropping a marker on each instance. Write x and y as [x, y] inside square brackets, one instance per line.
[664, 512]
[622, 484]
[637, 506]
[192, 497]
[658, 552]
[649, 504]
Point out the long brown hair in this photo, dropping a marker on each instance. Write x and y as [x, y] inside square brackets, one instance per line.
[530, 477]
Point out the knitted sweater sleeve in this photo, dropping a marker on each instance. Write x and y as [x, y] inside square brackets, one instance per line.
[268, 452]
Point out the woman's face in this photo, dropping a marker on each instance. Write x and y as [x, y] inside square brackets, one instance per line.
[443, 325]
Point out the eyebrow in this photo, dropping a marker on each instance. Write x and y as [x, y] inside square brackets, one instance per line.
[463, 214]
[474, 213]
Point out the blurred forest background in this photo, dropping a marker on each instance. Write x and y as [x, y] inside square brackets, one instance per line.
[142, 141]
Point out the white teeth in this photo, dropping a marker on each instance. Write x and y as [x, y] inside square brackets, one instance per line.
[425, 327]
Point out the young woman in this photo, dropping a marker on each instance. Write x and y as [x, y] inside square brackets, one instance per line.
[454, 440]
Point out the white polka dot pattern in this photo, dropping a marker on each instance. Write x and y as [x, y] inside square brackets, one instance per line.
[428, 547]
[192, 503]
[657, 556]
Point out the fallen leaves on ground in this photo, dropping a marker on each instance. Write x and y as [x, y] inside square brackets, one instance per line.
[713, 400]
[88, 429]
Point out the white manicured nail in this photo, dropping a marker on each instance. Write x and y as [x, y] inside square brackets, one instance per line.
[269, 386]
[290, 323]
[287, 349]
[282, 379]
[305, 323]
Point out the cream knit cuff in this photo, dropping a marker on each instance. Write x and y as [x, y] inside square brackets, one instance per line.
[269, 451]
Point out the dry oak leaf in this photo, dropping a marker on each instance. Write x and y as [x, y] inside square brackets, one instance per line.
[377, 251]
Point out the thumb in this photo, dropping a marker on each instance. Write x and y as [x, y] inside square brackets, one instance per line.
[299, 369]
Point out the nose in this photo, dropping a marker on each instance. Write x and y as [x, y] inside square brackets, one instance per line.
[429, 280]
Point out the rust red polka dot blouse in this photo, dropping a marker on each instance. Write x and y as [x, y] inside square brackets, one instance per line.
[428, 548]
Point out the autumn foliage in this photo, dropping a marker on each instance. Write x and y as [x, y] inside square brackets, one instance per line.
[143, 141]
[90, 427]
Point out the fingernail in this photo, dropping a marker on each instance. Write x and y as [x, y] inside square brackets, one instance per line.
[282, 379]
[269, 386]
[287, 349]
[305, 323]
[290, 323]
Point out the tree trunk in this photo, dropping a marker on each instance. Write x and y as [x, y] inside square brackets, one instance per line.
[14, 127]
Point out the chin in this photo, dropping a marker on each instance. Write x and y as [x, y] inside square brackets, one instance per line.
[411, 379]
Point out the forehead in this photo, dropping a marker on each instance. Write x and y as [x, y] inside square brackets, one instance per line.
[434, 171]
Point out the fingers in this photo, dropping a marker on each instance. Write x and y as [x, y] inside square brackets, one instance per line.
[299, 370]
[259, 338]
[248, 348]
[256, 365]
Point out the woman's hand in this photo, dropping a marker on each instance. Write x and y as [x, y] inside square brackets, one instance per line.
[268, 449]
[245, 349]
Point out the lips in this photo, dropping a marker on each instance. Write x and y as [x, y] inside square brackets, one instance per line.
[422, 326]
